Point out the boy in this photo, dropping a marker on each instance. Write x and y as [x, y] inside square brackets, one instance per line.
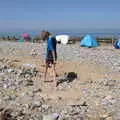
[51, 55]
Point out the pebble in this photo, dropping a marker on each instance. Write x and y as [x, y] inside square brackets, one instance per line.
[54, 116]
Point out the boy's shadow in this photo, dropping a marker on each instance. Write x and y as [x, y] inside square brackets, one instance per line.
[68, 77]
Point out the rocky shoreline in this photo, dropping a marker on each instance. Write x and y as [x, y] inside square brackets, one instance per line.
[23, 95]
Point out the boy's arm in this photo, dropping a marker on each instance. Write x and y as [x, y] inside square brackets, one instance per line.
[53, 53]
[53, 50]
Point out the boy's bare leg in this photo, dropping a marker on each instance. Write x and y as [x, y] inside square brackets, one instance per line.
[54, 72]
[46, 69]
[55, 69]
[54, 75]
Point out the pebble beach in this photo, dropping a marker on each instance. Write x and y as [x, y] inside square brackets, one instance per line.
[93, 94]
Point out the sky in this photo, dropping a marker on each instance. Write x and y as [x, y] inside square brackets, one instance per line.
[59, 14]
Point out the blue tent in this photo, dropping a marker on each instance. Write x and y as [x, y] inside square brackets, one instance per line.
[89, 41]
[117, 44]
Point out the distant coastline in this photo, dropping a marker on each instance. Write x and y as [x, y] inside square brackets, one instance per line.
[71, 32]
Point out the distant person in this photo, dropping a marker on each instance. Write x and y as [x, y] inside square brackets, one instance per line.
[3, 37]
[14, 38]
[51, 55]
[8, 38]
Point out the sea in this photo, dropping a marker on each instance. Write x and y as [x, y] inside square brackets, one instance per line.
[71, 32]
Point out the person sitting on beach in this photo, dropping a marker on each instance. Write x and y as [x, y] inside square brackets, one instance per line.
[51, 55]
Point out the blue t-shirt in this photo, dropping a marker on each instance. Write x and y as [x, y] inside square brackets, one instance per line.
[51, 46]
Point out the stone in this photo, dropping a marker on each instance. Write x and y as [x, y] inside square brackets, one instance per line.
[5, 86]
[10, 70]
[46, 107]
[54, 116]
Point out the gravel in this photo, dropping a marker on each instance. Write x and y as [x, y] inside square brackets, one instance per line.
[100, 99]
